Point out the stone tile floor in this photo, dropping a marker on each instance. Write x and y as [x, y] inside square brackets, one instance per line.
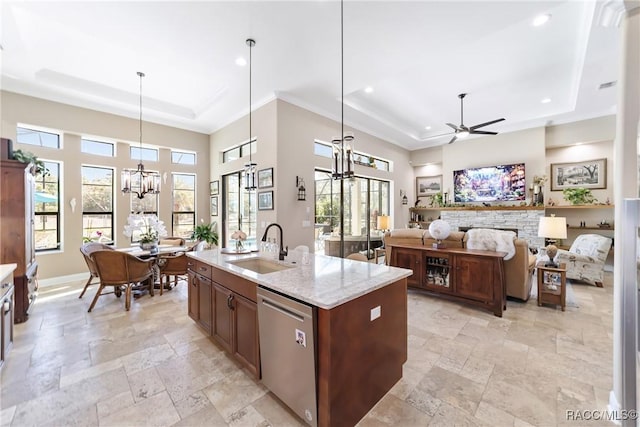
[153, 366]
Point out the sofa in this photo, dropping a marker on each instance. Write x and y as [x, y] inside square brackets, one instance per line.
[518, 270]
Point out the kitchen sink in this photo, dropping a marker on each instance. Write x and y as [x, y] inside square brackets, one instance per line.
[260, 266]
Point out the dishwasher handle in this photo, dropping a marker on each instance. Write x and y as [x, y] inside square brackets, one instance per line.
[282, 310]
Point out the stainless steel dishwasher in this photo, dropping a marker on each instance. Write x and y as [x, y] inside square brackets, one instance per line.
[287, 352]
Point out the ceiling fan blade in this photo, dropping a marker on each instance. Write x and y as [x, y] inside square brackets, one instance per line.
[436, 136]
[482, 132]
[485, 124]
[452, 126]
[453, 139]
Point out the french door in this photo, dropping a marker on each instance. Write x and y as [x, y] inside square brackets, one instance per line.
[238, 210]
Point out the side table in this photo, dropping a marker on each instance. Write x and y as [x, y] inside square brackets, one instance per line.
[552, 284]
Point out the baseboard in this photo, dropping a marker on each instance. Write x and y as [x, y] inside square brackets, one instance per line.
[613, 407]
[54, 281]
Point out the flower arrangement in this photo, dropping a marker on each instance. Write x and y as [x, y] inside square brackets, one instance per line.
[149, 226]
[95, 237]
[540, 180]
[239, 236]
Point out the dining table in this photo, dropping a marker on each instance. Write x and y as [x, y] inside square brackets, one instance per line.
[155, 254]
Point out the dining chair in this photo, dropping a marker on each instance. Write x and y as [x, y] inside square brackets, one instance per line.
[357, 256]
[86, 250]
[122, 271]
[172, 265]
[172, 241]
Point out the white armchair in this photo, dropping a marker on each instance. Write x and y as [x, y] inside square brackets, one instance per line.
[586, 257]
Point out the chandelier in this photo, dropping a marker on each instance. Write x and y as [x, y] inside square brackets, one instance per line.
[139, 181]
[342, 145]
[250, 168]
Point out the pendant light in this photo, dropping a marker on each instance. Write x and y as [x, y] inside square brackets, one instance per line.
[342, 146]
[146, 182]
[250, 168]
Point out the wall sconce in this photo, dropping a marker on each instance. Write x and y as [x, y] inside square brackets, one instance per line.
[302, 192]
[405, 200]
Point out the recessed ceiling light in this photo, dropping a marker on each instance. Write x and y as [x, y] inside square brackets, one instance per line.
[607, 85]
[241, 62]
[427, 127]
[545, 100]
[541, 20]
[368, 89]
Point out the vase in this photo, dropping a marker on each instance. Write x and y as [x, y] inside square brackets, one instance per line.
[149, 246]
[239, 245]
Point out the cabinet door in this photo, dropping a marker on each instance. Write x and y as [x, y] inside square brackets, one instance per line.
[222, 313]
[205, 304]
[411, 259]
[437, 272]
[192, 297]
[474, 277]
[245, 332]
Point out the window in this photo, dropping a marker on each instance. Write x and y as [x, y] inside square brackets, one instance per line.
[326, 150]
[364, 200]
[183, 217]
[148, 154]
[47, 208]
[38, 137]
[97, 203]
[237, 152]
[240, 206]
[183, 158]
[98, 148]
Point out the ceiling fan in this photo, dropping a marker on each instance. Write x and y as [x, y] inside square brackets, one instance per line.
[462, 130]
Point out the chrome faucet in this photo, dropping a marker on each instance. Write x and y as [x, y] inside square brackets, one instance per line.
[283, 251]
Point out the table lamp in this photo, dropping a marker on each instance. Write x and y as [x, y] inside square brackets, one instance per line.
[552, 228]
[384, 222]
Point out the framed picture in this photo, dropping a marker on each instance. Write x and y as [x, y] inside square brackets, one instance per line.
[214, 206]
[584, 174]
[265, 178]
[428, 185]
[265, 201]
[214, 188]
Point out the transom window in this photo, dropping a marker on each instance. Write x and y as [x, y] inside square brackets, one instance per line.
[37, 137]
[98, 148]
[149, 154]
[183, 158]
[326, 150]
[240, 151]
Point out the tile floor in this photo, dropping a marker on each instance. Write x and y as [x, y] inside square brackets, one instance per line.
[153, 366]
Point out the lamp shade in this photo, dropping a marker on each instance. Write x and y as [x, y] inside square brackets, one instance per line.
[384, 222]
[552, 227]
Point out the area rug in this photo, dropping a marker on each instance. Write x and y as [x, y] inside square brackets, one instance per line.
[570, 297]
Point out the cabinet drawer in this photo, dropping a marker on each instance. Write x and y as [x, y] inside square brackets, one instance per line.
[202, 269]
[240, 286]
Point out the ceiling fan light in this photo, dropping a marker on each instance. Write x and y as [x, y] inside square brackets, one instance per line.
[462, 134]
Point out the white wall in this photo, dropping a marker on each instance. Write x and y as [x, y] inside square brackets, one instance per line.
[76, 122]
[286, 135]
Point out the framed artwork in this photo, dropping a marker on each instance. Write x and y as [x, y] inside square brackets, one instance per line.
[584, 174]
[265, 201]
[428, 185]
[265, 178]
[214, 188]
[214, 205]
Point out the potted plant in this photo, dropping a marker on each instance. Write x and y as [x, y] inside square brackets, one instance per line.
[206, 233]
[578, 196]
[28, 157]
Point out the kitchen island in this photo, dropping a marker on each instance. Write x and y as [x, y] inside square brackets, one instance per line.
[360, 312]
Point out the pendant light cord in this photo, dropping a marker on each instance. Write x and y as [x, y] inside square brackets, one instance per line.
[251, 43]
[141, 75]
[342, 82]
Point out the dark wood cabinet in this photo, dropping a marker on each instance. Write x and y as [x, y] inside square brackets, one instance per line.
[224, 305]
[222, 325]
[17, 241]
[471, 276]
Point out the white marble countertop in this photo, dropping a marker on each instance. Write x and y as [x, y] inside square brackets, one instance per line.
[325, 282]
[5, 271]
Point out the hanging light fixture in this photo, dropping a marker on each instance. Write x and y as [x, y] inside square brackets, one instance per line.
[146, 182]
[250, 168]
[343, 145]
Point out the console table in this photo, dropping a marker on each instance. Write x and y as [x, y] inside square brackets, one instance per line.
[467, 275]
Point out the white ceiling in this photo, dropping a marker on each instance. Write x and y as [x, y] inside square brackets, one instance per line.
[417, 56]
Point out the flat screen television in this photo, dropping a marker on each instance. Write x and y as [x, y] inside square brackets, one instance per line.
[503, 183]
